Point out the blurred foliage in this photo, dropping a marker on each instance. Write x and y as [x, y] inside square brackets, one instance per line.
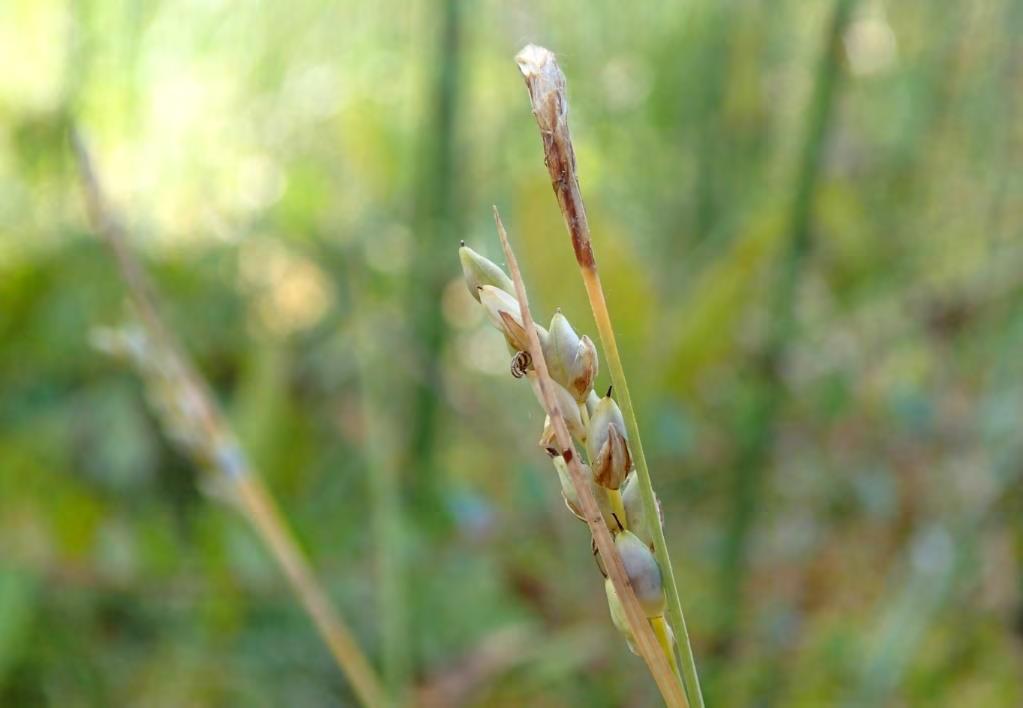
[298, 176]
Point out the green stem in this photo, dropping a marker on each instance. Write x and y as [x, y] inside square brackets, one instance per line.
[436, 224]
[386, 503]
[614, 363]
[388, 527]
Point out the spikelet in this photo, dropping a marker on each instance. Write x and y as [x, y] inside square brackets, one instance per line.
[595, 422]
[607, 444]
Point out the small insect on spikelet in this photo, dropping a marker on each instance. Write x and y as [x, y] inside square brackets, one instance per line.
[596, 424]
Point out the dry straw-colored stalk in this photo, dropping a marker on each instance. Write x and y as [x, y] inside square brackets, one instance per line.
[547, 94]
[646, 642]
[194, 421]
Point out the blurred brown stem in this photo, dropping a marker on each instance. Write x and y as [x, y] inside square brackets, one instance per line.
[246, 487]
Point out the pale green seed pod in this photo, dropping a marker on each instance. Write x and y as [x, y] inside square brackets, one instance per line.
[571, 359]
[643, 571]
[632, 500]
[607, 445]
[572, 499]
[569, 408]
[479, 271]
[504, 313]
[618, 618]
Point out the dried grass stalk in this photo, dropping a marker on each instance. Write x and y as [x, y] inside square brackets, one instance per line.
[195, 423]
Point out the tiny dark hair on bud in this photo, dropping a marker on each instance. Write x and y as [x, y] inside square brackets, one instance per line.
[618, 521]
[462, 243]
[609, 390]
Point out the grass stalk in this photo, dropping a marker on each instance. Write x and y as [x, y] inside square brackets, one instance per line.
[436, 219]
[546, 84]
[759, 437]
[385, 495]
[200, 425]
[646, 642]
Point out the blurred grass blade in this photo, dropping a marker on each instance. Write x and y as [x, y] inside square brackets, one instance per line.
[17, 613]
[758, 434]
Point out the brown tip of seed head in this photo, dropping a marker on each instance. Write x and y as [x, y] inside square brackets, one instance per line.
[609, 390]
[532, 59]
[546, 84]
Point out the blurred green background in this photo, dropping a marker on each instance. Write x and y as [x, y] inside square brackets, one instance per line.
[807, 216]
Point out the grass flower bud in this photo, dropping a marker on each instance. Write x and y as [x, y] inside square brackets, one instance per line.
[572, 499]
[479, 271]
[607, 445]
[503, 312]
[643, 571]
[571, 359]
[569, 408]
[632, 500]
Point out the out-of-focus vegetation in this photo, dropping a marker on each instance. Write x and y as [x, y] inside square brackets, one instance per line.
[808, 218]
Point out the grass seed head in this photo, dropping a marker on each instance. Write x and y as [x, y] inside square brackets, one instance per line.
[571, 359]
[632, 500]
[607, 444]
